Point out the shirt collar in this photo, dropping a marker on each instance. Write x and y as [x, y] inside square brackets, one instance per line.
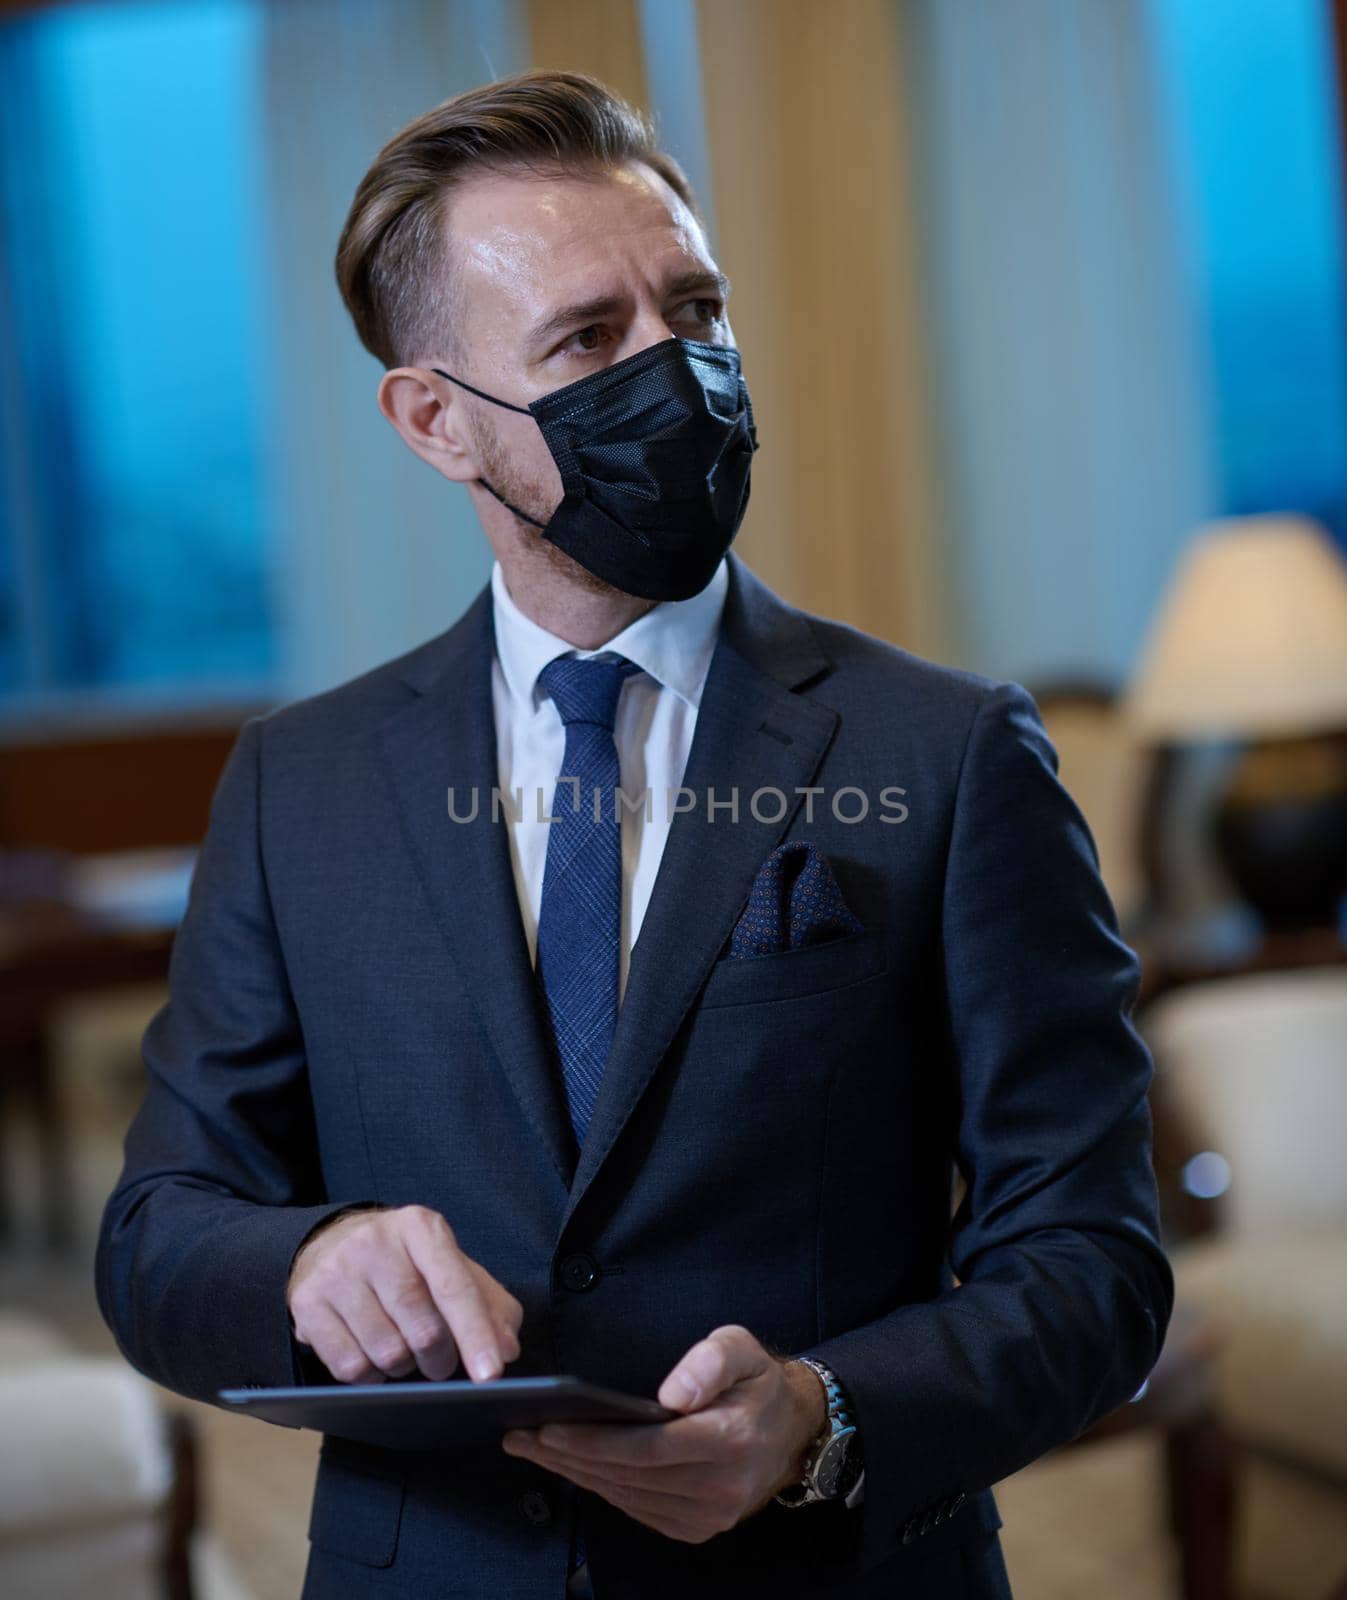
[673, 641]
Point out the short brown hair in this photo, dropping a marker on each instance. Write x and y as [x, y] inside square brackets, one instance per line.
[392, 260]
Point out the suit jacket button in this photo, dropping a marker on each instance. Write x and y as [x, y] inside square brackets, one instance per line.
[579, 1272]
[957, 1502]
[909, 1530]
[534, 1507]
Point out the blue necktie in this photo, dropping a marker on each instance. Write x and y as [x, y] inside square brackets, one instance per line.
[580, 920]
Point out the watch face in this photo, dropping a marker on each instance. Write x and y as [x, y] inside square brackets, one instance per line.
[832, 1468]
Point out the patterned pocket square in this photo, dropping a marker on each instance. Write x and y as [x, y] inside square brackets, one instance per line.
[794, 902]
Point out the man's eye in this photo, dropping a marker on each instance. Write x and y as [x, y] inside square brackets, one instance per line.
[705, 311]
[586, 341]
[583, 342]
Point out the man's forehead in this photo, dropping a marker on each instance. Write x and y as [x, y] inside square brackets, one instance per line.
[523, 243]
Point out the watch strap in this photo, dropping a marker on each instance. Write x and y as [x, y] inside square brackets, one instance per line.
[839, 1419]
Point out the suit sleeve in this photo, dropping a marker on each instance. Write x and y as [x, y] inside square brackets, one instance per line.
[1064, 1292]
[221, 1181]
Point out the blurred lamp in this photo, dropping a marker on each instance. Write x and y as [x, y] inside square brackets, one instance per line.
[1251, 643]
[1251, 639]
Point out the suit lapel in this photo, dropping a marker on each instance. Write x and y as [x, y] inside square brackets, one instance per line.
[753, 733]
[443, 738]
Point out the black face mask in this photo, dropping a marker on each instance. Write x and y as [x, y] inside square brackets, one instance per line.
[654, 455]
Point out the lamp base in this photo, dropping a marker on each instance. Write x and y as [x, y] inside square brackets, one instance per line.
[1281, 829]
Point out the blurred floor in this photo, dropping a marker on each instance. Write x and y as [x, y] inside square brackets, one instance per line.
[1088, 1522]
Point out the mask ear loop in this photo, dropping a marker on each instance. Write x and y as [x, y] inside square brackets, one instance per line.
[523, 411]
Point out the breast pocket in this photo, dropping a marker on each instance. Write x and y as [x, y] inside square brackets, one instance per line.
[793, 974]
[357, 1510]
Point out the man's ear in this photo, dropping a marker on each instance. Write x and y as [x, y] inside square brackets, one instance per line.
[430, 420]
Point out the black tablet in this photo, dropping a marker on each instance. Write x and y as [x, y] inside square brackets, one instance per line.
[403, 1414]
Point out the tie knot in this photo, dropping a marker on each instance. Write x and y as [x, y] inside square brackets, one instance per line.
[586, 690]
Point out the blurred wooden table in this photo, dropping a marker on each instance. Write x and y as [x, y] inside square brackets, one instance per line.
[49, 951]
[1178, 1400]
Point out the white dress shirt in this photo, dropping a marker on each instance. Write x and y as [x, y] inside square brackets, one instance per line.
[672, 644]
[656, 715]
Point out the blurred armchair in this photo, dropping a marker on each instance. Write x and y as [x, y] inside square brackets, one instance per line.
[97, 1483]
[1251, 1094]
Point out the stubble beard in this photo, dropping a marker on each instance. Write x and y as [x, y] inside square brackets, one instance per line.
[531, 498]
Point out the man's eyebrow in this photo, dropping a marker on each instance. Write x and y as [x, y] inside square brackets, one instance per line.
[586, 311]
[699, 278]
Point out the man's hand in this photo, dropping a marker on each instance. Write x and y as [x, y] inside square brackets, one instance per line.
[750, 1418]
[383, 1293]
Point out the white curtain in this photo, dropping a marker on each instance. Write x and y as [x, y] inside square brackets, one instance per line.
[672, 55]
[375, 551]
[1069, 368]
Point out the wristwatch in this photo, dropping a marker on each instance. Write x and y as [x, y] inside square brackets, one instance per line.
[834, 1467]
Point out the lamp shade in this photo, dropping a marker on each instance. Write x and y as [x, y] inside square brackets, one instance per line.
[1251, 638]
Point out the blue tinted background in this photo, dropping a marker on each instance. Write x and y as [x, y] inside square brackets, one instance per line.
[175, 366]
[138, 288]
[1253, 127]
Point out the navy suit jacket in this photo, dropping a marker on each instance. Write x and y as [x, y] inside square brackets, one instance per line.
[353, 1018]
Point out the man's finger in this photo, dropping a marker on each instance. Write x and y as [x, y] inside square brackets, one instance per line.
[460, 1300]
[327, 1335]
[725, 1357]
[684, 1441]
[378, 1335]
[664, 1501]
[406, 1300]
[507, 1311]
[697, 1481]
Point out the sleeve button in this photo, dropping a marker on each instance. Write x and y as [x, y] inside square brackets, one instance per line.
[534, 1508]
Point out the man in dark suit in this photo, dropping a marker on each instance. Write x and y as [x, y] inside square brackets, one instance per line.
[457, 1076]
